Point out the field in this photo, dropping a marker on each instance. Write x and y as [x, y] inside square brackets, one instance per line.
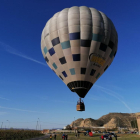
[27, 134]
[96, 137]
[18, 134]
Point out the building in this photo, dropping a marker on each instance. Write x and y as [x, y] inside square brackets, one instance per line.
[138, 121]
[45, 131]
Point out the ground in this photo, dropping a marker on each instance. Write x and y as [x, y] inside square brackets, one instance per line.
[96, 137]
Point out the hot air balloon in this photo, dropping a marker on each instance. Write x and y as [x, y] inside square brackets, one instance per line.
[79, 44]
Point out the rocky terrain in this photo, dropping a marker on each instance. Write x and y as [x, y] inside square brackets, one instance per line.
[111, 120]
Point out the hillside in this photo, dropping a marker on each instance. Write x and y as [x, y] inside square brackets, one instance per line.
[111, 120]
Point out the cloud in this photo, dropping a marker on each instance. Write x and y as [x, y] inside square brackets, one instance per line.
[4, 98]
[95, 99]
[6, 47]
[53, 123]
[117, 88]
[21, 110]
[59, 101]
[119, 100]
[29, 58]
[3, 113]
[109, 92]
[100, 99]
[11, 50]
[105, 89]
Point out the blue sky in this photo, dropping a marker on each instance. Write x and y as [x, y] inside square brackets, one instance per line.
[30, 90]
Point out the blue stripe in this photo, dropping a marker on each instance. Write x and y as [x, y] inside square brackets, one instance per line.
[65, 44]
[111, 54]
[55, 41]
[76, 57]
[64, 73]
[46, 59]
[45, 50]
[97, 37]
[97, 75]
[92, 72]
[74, 36]
[103, 47]
[85, 43]
[51, 51]
[72, 71]
[54, 65]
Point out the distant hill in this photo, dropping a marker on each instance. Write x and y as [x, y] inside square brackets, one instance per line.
[111, 120]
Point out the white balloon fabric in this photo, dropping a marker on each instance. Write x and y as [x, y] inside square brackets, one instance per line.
[79, 44]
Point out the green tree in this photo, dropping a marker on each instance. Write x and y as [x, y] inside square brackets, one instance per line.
[134, 124]
[68, 127]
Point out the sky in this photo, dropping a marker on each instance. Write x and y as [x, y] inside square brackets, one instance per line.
[31, 92]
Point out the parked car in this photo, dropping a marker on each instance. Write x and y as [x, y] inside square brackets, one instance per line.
[112, 134]
[106, 137]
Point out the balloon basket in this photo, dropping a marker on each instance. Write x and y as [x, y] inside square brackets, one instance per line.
[80, 107]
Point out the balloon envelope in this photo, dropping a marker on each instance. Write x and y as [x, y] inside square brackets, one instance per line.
[79, 44]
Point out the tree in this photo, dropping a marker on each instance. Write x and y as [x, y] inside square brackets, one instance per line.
[68, 127]
[134, 124]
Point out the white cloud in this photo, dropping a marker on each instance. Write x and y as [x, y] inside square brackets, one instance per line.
[4, 98]
[100, 99]
[17, 109]
[3, 113]
[113, 94]
[11, 50]
[105, 89]
[60, 101]
[29, 58]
